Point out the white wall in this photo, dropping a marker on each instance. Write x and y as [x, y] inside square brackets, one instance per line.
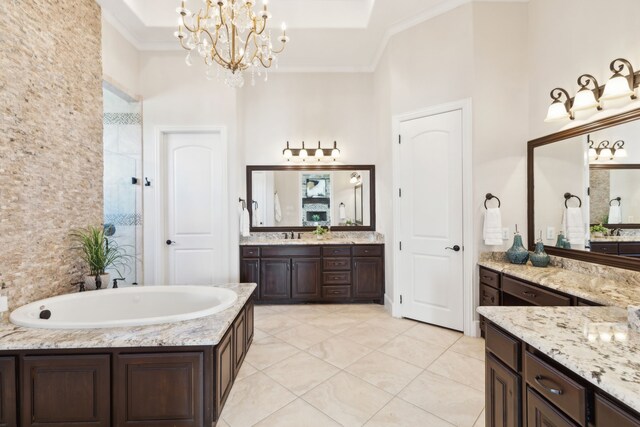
[120, 61]
[177, 95]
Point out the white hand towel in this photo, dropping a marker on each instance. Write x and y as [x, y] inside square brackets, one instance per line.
[573, 227]
[342, 211]
[277, 209]
[615, 215]
[492, 231]
[244, 223]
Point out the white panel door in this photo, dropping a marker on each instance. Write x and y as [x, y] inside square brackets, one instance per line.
[431, 261]
[195, 200]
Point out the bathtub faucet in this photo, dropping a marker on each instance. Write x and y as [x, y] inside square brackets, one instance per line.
[115, 282]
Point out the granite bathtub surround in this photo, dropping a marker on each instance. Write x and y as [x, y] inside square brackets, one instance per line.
[333, 238]
[562, 334]
[205, 331]
[50, 141]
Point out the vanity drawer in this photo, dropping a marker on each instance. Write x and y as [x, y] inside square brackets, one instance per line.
[503, 346]
[291, 250]
[558, 388]
[336, 291]
[335, 264]
[533, 295]
[490, 277]
[250, 252]
[608, 413]
[604, 248]
[489, 296]
[336, 251]
[629, 248]
[337, 278]
[373, 250]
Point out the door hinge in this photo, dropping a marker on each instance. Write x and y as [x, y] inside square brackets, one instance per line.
[400, 299]
[400, 245]
[399, 139]
[588, 191]
[399, 192]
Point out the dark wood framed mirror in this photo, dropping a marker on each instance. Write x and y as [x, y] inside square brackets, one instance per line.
[561, 163]
[302, 197]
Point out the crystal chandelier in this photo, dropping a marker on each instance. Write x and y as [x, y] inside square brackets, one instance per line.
[230, 34]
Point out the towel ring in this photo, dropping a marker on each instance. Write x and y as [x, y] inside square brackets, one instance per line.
[490, 196]
[617, 199]
[568, 196]
[254, 203]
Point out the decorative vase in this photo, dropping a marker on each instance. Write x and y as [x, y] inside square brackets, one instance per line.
[560, 241]
[90, 282]
[517, 254]
[539, 258]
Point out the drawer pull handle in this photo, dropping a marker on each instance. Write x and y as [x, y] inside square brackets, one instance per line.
[529, 294]
[486, 277]
[539, 378]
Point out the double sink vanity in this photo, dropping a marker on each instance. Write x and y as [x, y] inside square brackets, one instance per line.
[559, 348]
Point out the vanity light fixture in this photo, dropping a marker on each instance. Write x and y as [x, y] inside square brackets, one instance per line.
[356, 178]
[618, 149]
[559, 110]
[587, 99]
[593, 153]
[319, 153]
[620, 86]
[607, 151]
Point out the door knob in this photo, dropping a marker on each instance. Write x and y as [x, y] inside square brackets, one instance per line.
[456, 248]
[170, 242]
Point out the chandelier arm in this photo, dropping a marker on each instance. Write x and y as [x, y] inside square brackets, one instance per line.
[182, 44]
[246, 43]
[276, 51]
[215, 55]
[264, 27]
[184, 24]
[267, 65]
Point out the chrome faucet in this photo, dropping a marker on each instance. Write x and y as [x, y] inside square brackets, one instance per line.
[292, 235]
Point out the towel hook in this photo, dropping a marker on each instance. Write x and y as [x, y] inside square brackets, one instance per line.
[617, 199]
[490, 196]
[568, 196]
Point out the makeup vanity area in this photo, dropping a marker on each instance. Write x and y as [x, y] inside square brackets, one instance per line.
[559, 351]
[292, 265]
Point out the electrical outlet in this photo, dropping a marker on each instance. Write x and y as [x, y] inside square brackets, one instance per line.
[551, 233]
[505, 233]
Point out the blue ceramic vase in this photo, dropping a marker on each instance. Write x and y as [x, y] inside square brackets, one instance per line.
[517, 254]
[539, 258]
[560, 243]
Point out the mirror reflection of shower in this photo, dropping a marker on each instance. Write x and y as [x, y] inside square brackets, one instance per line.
[122, 180]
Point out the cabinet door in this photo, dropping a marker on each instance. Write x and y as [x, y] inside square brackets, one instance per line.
[157, 386]
[610, 414]
[367, 278]
[239, 341]
[224, 366]
[250, 273]
[66, 390]
[249, 321]
[540, 413]
[8, 403]
[305, 278]
[275, 279]
[502, 395]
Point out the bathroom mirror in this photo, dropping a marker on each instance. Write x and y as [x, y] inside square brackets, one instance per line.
[302, 197]
[583, 177]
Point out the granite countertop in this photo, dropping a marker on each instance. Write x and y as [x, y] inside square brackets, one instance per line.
[205, 331]
[334, 238]
[562, 334]
[619, 293]
[615, 239]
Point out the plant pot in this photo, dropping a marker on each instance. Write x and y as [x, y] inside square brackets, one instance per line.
[598, 234]
[90, 282]
[319, 236]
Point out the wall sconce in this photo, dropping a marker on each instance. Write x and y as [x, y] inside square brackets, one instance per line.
[587, 99]
[319, 153]
[620, 86]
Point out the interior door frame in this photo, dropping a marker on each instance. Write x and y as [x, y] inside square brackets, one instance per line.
[471, 325]
[160, 177]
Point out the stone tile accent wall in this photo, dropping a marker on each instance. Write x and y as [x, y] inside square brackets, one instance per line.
[50, 141]
[599, 180]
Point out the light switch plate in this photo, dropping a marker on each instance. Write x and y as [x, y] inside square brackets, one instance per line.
[551, 233]
[505, 233]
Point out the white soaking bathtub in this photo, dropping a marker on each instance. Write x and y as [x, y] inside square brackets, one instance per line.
[134, 306]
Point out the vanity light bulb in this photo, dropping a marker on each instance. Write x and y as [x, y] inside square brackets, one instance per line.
[287, 154]
[557, 111]
[593, 153]
[335, 153]
[606, 153]
[303, 154]
[617, 87]
[319, 154]
[584, 100]
[621, 153]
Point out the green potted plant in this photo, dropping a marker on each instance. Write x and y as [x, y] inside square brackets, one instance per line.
[320, 232]
[598, 230]
[99, 253]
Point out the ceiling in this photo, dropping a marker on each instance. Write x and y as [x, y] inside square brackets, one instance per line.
[326, 35]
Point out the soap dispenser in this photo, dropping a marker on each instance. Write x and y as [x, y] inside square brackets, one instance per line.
[539, 258]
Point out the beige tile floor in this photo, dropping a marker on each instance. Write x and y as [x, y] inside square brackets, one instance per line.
[355, 365]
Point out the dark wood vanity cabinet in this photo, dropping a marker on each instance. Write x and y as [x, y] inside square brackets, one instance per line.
[314, 273]
[626, 249]
[525, 388]
[8, 390]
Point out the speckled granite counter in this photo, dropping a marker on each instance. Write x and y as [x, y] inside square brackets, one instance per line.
[206, 331]
[615, 239]
[334, 238]
[622, 291]
[559, 332]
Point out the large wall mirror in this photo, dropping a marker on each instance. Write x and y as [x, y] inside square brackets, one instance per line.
[303, 197]
[584, 183]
